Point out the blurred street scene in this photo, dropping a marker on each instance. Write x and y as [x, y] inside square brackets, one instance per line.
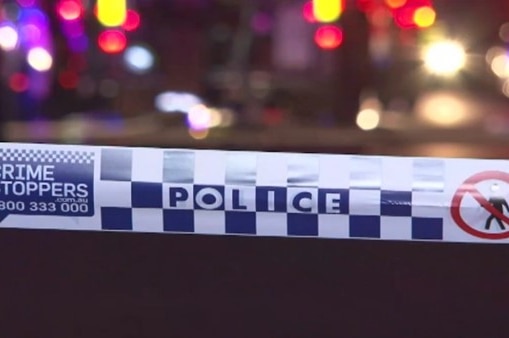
[398, 77]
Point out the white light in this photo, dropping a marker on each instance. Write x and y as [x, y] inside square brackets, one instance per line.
[8, 38]
[368, 119]
[173, 102]
[199, 117]
[39, 59]
[138, 59]
[445, 58]
[492, 53]
[500, 65]
[444, 109]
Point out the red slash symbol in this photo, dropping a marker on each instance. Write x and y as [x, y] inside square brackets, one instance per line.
[468, 187]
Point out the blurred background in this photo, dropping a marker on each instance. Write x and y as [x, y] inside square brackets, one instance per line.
[396, 77]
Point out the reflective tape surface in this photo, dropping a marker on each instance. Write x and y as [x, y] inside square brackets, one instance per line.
[253, 193]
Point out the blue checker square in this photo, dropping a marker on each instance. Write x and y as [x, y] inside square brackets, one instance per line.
[365, 226]
[396, 203]
[116, 164]
[178, 220]
[209, 197]
[116, 218]
[238, 222]
[302, 224]
[147, 195]
[427, 228]
[271, 199]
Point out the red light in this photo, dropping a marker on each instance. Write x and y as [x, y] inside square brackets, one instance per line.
[366, 5]
[132, 20]
[69, 9]
[112, 41]
[18, 82]
[308, 13]
[328, 37]
[404, 17]
[68, 79]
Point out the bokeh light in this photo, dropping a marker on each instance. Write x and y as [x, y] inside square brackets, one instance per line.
[31, 34]
[19, 82]
[111, 13]
[329, 37]
[308, 13]
[444, 58]
[444, 109]
[368, 119]
[500, 65]
[404, 17]
[504, 32]
[138, 59]
[176, 102]
[395, 3]
[200, 134]
[424, 17]
[39, 59]
[199, 117]
[132, 20]
[69, 9]
[26, 3]
[112, 41]
[73, 29]
[8, 38]
[327, 11]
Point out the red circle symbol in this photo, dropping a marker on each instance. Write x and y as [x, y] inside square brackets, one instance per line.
[468, 187]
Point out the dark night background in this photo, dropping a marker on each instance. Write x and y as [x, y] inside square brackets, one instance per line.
[65, 284]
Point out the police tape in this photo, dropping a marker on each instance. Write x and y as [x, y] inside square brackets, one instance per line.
[253, 193]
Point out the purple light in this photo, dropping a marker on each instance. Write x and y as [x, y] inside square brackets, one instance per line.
[26, 3]
[73, 29]
[78, 44]
[34, 16]
[30, 34]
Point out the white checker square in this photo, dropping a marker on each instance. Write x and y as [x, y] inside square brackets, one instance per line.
[272, 170]
[240, 198]
[365, 202]
[271, 224]
[307, 200]
[334, 226]
[210, 167]
[113, 194]
[334, 171]
[147, 165]
[397, 174]
[147, 220]
[209, 222]
[429, 204]
[397, 228]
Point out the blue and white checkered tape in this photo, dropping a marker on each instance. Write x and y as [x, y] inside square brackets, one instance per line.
[250, 193]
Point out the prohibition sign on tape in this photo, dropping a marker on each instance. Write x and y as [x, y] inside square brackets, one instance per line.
[468, 187]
